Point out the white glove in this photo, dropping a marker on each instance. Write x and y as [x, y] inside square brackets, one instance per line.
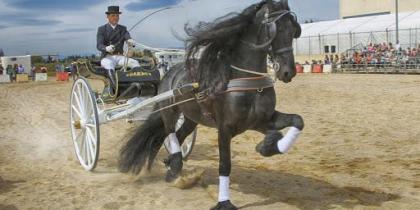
[131, 43]
[110, 48]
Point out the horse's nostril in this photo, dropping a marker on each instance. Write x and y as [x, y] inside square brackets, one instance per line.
[286, 74]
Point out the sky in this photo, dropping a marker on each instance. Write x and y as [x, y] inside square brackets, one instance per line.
[68, 27]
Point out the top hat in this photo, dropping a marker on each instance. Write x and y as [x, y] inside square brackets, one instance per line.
[113, 10]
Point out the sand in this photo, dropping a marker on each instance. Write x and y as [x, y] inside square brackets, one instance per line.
[360, 150]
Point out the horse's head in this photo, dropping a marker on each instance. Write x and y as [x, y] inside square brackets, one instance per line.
[277, 27]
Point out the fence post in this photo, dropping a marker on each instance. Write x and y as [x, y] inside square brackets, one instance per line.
[338, 43]
[310, 50]
[351, 40]
[409, 35]
[319, 45]
[387, 35]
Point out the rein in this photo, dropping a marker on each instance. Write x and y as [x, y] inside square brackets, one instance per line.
[265, 80]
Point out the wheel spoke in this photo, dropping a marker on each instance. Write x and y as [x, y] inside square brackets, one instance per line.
[78, 142]
[88, 104]
[92, 137]
[83, 149]
[88, 157]
[78, 102]
[88, 150]
[82, 102]
[90, 125]
[91, 144]
[86, 99]
[76, 111]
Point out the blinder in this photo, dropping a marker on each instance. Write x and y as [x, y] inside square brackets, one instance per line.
[276, 16]
[271, 27]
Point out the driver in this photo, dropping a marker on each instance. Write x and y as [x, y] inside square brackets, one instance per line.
[110, 40]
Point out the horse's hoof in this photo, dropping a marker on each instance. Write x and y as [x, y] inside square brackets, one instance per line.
[268, 146]
[224, 205]
[174, 165]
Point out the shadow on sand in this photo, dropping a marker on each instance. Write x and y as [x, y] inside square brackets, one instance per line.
[303, 192]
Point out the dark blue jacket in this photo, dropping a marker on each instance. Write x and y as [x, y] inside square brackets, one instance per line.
[107, 35]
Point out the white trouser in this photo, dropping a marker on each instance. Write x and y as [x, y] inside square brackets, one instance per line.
[111, 61]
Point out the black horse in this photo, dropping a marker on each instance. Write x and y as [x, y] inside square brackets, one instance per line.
[228, 58]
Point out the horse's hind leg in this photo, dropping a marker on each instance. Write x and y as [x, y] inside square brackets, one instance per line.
[274, 142]
[174, 160]
[186, 129]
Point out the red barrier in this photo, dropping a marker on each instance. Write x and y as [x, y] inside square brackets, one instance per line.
[317, 68]
[299, 68]
[62, 76]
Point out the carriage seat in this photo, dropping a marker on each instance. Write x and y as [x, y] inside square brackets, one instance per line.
[144, 74]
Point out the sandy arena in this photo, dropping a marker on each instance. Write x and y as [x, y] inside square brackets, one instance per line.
[360, 150]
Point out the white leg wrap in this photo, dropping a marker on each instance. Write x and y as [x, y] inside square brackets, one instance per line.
[174, 144]
[288, 140]
[223, 188]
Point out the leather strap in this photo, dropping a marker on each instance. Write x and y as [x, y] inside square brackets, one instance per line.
[115, 53]
[248, 84]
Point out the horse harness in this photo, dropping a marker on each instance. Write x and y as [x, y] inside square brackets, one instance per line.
[263, 80]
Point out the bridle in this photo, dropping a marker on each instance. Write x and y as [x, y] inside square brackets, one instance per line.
[269, 22]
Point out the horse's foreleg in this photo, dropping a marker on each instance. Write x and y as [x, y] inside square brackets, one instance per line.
[224, 170]
[274, 142]
[281, 120]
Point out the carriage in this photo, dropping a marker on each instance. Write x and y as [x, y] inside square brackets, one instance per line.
[133, 99]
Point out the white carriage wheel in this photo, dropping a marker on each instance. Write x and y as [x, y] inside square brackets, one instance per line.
[188, 144]
[84, 124]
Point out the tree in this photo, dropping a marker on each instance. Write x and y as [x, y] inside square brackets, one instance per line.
[37, 59]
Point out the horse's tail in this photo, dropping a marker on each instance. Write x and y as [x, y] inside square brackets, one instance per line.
[143, 145]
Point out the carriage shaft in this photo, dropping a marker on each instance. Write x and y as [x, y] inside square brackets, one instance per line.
[132, 106]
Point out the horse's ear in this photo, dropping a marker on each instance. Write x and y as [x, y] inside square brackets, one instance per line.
[284, 4]
[262, 12]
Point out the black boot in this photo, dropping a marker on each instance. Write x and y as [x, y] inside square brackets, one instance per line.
[174, 164]
[111, 77]
[268, 147]
[224, 205]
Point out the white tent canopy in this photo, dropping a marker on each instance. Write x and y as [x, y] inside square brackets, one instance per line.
[362, 24]
[344, 34]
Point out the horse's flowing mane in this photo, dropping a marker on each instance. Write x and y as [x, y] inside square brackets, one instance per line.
[209, 46]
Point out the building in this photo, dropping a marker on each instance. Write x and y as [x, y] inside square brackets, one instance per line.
[25, 61]
[362, 8]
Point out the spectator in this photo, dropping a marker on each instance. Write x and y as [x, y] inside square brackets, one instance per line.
[33, 73]
[326, 60]
[57, 71]
[58, 68]
[20, 69]
[15, 68]
[10, 71]
[44, 69]
[332, 59]
[73, 68]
